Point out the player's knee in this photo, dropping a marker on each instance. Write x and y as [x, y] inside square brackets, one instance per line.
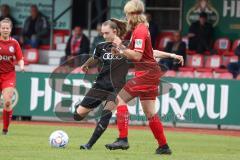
[76, 105]
[80, 112]
[78, 117]
[7, 104]
[149, 115]
[120, 101]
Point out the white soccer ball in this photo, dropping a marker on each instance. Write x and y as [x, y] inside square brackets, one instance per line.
[58, 139]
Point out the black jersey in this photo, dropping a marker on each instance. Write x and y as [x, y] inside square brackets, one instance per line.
[114, 68]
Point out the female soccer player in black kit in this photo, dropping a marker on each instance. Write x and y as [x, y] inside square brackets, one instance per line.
[109, 82]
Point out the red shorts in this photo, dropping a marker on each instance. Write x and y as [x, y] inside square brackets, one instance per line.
[7, 80]
[143, 87]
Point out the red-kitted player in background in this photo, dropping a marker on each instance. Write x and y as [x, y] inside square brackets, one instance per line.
[10, 51]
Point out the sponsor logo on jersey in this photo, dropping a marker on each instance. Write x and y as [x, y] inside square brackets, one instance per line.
[138, 43]
[11, 49]
[110, 56]
[6, 58]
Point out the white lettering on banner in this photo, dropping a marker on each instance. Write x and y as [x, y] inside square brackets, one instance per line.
[210, 102]
[232, 7]
[224, 101]
[200, 97]
[167, 100]
[227, 8]
[194, 100]
[194, 92]
[35, 93]
[58, 94]
[48, 95]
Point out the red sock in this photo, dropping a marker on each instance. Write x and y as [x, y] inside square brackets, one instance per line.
[7, 117]
[10, 113]
[157, 130]
[4, 117]
[122, 121]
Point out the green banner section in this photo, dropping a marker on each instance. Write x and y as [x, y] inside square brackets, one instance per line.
[20, 10]
[223, 14]
[206, 101]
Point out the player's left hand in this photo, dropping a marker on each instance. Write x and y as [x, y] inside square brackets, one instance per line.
[117, 41]
[115, 51]
[180, 59]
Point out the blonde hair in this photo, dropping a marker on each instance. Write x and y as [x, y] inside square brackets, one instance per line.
[135, 10]
[7, 20]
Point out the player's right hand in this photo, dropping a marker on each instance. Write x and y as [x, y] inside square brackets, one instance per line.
[22, 70]
[84, 68]
[180, 59]
[22, 67]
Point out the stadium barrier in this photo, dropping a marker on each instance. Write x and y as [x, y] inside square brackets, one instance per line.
[182, 100]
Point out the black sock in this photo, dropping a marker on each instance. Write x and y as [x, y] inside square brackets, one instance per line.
[101, 126]
[124, 139]
[165, 146]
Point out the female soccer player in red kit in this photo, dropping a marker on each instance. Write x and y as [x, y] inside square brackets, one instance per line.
[146, 81]
[10, 51]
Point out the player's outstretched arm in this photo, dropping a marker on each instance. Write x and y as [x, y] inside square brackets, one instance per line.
[90, 62]
[120, 49]
[128, 53]
[132, 55]
[162, 54]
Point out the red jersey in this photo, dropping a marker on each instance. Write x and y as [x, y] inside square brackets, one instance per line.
[141, 42]
[10, 51]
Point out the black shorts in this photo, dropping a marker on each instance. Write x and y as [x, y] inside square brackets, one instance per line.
[96, 96]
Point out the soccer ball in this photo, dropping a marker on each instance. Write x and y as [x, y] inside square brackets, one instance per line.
[58, 139]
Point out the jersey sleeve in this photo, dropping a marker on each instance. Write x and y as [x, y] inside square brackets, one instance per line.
[139, 39]
[18, 52]
[96, 52]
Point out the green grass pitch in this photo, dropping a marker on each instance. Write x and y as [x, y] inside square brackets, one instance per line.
[30, 142]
